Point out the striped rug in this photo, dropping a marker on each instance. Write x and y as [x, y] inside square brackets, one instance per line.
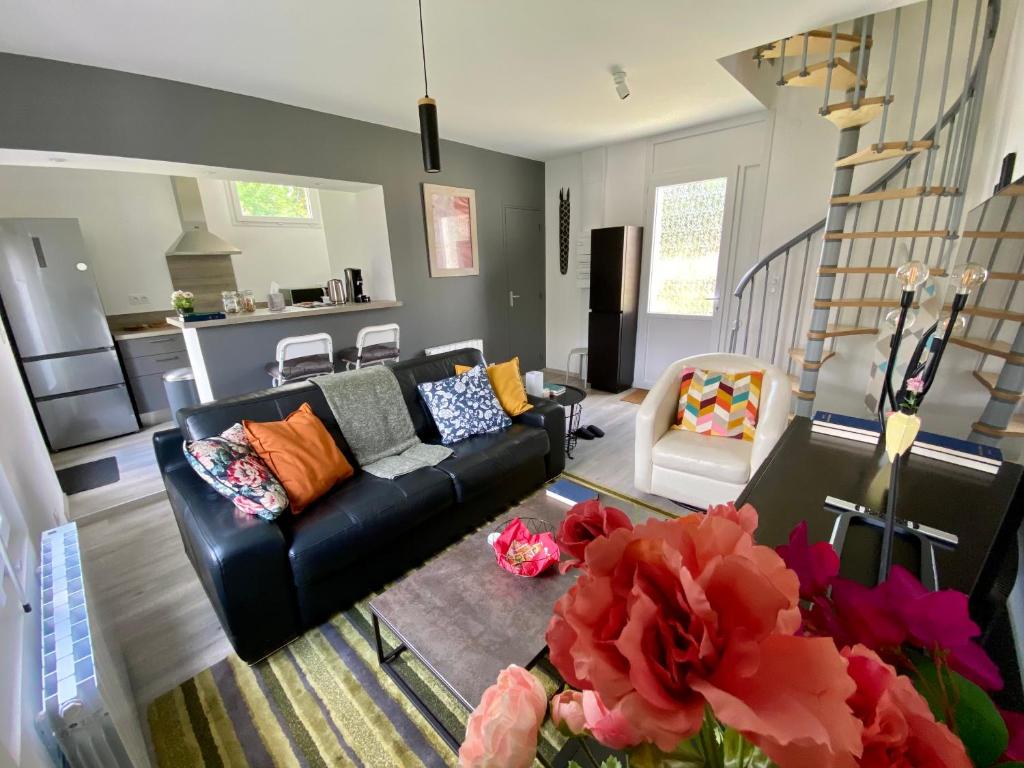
[322, 701]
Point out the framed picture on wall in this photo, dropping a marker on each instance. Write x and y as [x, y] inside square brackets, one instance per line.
[450, 214]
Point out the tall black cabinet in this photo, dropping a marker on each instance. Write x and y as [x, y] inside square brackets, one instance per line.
[614, 299]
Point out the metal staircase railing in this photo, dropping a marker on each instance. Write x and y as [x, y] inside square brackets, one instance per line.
[913, 210]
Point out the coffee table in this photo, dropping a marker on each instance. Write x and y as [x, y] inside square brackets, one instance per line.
[466, 619]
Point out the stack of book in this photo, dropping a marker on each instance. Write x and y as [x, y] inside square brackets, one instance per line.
[983, 458]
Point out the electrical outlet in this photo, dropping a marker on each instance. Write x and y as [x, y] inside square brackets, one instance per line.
[138, 299]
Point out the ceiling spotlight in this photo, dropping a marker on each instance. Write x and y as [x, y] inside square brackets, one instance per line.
[621, 88]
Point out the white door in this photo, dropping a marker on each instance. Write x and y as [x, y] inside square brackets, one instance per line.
[687, 247]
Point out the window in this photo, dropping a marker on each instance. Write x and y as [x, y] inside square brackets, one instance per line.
[254, 202]
[685, 248]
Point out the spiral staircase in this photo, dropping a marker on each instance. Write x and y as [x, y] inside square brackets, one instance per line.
[841, 270]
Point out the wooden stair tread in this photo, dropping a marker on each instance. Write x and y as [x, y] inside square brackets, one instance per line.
[856, 303]
[797, 354]
[835, 331]
[935, 272]
[1006, 275]
[1014, 429]
[844, 76]
[991, 313]
[886, 234]
[989, 347]
[979, 234]
[843, 115]
[901, 193]
[1012, 190]
[819, 42]
[988, 380]
[890, 150]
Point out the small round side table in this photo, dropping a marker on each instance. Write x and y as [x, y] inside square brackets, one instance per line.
[572, 399]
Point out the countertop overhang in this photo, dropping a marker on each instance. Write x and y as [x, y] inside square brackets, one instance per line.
[288, 313]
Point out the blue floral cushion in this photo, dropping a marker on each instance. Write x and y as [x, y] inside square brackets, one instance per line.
[229, 464]
[464, 405]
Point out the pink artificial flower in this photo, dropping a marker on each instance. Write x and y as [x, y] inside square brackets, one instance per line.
[582, 524]
[899, 728]
[815, 565]
[579, 712]
[915, 385]
[502, 730]
[675, 615]
[745, 517]
[1015, 725]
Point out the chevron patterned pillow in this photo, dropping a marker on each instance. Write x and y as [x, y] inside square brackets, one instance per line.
[719, 404]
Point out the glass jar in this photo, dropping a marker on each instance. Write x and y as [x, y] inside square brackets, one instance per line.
[248, 301]
[230, 300]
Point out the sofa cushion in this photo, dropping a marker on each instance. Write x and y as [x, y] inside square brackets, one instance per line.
[725, 460]
[479, 463]
[414, 371]
[507, 383]
[464, 405]
[718, 403]
[362, 515]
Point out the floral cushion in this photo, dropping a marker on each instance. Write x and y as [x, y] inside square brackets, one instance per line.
[229, 464]
[464, 405]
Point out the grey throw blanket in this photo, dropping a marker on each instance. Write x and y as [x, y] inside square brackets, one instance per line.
[371, 413]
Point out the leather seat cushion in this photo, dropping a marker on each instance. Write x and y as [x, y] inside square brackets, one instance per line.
[479, 462]
[362, 514]
[371, 354]
[301, 367]
[721, 458]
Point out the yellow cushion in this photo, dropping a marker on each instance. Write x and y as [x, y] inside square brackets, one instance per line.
[507, 384]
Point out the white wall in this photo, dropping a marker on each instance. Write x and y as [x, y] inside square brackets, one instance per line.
[127, 219]
[26, 465]
[356, 232]
[293, 256]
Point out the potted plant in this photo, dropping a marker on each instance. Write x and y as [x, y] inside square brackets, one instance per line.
[183, 302]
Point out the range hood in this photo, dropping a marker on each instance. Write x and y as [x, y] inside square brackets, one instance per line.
[195, 239]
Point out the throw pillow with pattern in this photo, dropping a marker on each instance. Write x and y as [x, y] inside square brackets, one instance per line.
[230, 465]
[464, 405]
[719, 404]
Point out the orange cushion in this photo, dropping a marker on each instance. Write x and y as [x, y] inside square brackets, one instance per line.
[507, 384]
[301, 453]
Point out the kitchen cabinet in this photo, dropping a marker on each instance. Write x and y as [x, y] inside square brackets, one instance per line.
[145, 361]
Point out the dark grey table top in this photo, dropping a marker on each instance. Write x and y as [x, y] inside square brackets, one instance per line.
[466, 618]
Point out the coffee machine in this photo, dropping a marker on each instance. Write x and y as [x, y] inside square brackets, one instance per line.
[354, 285]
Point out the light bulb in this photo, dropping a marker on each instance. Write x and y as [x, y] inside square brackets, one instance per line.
[893, 318]
[912, 275]
[966, 277]
[958, 326]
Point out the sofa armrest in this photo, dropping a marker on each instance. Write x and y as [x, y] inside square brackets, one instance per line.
[653, 420]
[549, 416]
[167, 446]
[242, 562]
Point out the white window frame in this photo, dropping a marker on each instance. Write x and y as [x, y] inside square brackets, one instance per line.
[723, 250]
[241, 219]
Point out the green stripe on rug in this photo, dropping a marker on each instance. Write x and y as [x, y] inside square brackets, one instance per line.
[200, 725]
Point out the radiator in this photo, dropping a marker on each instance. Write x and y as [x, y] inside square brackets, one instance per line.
[87, 702]
[474, 343]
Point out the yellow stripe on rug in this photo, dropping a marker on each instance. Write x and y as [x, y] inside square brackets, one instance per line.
[221, 727]
[274, 739]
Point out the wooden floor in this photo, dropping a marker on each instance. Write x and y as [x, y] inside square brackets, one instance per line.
[140, 476]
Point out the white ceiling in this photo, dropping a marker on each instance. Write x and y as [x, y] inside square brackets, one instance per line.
[529, 77]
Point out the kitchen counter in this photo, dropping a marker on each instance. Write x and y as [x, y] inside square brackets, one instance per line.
[288, 313]
[163, 330]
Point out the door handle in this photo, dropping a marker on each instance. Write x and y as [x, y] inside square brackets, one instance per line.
[512, 296]
[714, 303]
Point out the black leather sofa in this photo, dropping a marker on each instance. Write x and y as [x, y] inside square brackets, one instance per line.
[270, 581]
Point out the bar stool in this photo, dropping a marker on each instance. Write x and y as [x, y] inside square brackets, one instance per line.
[375, 344]
[583, 353]
[300, 357]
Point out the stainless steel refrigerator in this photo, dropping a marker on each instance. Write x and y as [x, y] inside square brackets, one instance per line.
[52, 310]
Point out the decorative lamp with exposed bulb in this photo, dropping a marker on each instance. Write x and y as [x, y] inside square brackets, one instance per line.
[966, 277]
[912, 275]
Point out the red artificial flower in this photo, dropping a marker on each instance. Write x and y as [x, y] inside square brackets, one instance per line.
[672, 616]
[582, 524]
[1015, 725]
[815, 564]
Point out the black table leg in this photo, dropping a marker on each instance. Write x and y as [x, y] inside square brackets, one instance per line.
[386, 659]
[572, 424]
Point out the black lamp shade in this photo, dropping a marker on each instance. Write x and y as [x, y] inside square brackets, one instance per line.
[429, 136]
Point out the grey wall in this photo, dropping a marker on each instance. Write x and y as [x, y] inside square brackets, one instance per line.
[54, 106]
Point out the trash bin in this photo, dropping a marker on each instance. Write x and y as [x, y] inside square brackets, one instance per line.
[180, 385]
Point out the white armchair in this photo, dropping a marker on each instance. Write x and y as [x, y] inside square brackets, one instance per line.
[698, 470]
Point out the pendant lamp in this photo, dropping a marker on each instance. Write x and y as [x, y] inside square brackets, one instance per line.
[428, 115]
